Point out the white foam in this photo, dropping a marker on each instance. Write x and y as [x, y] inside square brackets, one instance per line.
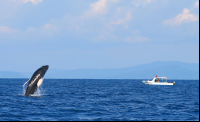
[38, 93]
[24, 90]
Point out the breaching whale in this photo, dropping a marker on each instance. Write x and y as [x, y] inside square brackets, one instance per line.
[36, 80]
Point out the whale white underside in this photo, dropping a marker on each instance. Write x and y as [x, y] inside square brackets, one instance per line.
[40, 82]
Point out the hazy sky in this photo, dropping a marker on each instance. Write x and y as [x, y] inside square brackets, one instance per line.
[74, 34]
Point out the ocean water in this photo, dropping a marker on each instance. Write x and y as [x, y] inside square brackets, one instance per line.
[99, 100]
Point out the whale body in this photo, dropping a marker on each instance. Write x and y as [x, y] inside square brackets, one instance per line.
[36, 80]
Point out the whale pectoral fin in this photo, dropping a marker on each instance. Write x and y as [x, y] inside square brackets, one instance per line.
[26, 82]
[40, 81]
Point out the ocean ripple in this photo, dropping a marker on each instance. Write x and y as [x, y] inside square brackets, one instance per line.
[99, 100]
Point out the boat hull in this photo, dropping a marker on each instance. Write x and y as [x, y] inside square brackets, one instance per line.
[158, 83]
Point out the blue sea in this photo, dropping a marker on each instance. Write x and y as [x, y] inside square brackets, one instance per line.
[99, 100]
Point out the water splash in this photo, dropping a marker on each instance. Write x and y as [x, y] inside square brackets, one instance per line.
[24, 89]
[38, 93]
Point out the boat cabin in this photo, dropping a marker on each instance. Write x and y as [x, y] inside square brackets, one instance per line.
[160, 79]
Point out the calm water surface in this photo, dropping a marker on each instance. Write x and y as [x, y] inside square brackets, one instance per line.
[97, 100]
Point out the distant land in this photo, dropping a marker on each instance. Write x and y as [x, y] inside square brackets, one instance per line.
[170, 69]
[9, 74]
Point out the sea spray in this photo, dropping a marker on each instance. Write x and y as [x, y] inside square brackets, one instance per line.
[24, 89]
[39, 91]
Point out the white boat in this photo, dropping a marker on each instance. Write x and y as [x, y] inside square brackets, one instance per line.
[158, 81]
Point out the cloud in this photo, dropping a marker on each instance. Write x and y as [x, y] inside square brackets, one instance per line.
[7, 33]
[49, 29]
[96, 8]
[106, 21]
[124, 21]
[30, 34]
[184, 17]
[99, 8]
[135, 37]
[5, 29]
[34, 2]
[141, 2]
[196, 4]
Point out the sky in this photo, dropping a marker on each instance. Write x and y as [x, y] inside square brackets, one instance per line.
[77, 34]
